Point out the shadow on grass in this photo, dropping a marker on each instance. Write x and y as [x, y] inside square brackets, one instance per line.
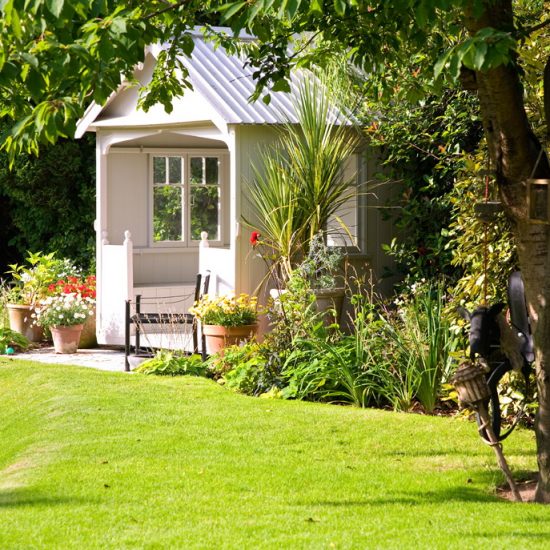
[14, 498]
[456, 494]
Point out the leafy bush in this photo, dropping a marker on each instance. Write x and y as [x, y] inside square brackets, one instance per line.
[168, 363]
[424, 341]
[247, 369]
[48, 202]
[11, 339]
[31, 281]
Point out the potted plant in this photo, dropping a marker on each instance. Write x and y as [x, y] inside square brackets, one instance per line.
[226, 320]
[321, 269]
[29, 284]
[86, 288]
[64, 315]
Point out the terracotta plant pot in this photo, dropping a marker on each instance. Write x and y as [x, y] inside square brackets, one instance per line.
[22, 322]
[88, 337]
[218, 337]
[66, 339]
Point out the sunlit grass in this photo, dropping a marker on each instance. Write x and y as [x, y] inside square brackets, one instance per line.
[91, 459]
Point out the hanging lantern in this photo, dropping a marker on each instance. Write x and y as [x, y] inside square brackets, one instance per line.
[538, 200]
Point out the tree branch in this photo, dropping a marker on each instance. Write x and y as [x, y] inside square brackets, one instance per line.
[164, 10]
[535, 28]
[546, 88]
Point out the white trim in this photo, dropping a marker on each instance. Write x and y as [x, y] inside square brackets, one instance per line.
[167, 151]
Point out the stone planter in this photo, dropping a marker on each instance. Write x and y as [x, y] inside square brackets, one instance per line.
[22, 322]
[329, 302]
[218, 337]
[66, 339]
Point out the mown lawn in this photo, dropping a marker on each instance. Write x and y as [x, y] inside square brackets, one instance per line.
[92, 459]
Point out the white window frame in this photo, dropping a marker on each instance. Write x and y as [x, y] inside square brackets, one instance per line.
[186, 155]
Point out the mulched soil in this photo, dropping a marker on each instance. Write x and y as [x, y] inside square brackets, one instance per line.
[526, 488]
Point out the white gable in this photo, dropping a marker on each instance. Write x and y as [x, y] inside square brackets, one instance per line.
[222, 86]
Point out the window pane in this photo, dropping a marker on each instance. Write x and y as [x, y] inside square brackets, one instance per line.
[196, 170]
[159, 169]
[167, 214]
[212, 170]
[174, 169]
[205, 212]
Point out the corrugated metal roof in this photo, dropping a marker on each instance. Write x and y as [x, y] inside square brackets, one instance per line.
[227, 84]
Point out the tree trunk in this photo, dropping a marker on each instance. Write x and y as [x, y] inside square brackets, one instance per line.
[515, 155]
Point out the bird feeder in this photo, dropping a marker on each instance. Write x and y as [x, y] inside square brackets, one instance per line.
[538, 200]
[487, 211]
[471, 384]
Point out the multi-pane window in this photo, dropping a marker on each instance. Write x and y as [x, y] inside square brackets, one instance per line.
[186, 197]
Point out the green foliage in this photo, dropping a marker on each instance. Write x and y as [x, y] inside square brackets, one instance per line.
[247, 369]
[423, 148]
[10, 338]
[29, 282]
[484, 252]
[48, 203]
[168, 363]
[322, 264]
[424, 341]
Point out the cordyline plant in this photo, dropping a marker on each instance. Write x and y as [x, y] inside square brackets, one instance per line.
[298, 187]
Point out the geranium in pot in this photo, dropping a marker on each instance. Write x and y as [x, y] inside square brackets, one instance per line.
[226, 320]
[64, 315]
[85, 287]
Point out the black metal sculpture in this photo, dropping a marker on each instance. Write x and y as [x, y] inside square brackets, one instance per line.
[501, 346]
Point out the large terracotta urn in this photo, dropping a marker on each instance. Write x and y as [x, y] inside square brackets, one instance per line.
[22, 322]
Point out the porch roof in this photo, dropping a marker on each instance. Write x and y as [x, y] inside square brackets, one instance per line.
[223, 81]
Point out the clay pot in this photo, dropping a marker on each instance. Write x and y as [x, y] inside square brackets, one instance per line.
[88, 337]
[22, 322]
[219, 337]
[66, 339]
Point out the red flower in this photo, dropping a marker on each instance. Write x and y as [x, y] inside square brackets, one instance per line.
[254, 238]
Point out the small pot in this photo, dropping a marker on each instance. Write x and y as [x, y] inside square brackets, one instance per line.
[66, 339]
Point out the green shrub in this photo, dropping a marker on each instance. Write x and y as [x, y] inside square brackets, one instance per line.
[424, 341]
[171, 363]
[247, 369]
[11, 339]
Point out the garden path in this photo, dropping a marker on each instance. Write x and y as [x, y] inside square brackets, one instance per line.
[103, 358]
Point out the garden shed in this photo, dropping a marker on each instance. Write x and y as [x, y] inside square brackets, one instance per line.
[172, 187]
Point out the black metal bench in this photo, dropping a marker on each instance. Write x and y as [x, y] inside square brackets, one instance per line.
[138, 319]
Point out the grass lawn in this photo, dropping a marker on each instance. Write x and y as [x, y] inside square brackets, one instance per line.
[92, 459]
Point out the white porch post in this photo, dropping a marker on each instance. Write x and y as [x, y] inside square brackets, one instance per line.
[100, 226]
